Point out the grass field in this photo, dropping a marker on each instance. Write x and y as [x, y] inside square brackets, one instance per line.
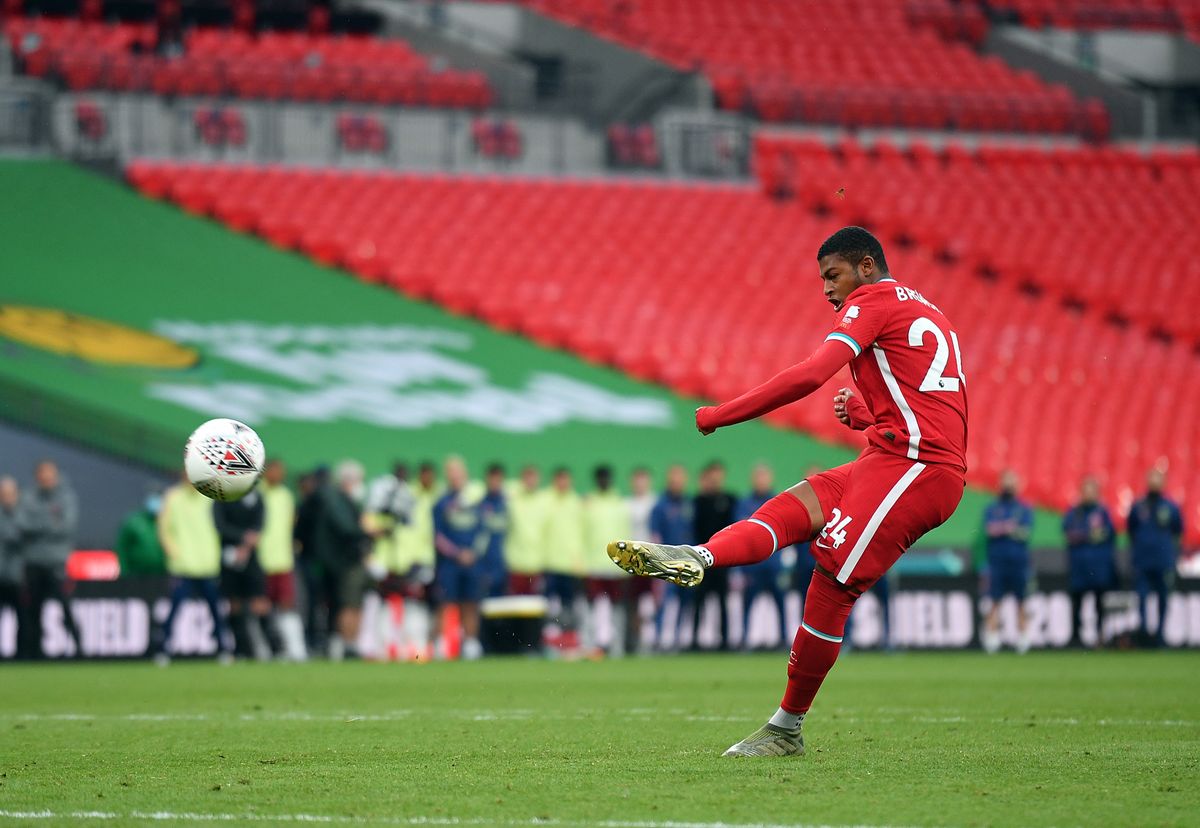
[916, 739]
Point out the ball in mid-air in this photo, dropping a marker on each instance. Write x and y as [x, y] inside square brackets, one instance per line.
[224, 459]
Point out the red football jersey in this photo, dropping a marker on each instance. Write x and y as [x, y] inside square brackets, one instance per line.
[908, 369]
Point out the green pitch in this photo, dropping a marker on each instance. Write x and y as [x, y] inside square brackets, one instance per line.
[914, 740]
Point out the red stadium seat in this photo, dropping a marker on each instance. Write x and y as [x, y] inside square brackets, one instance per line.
[717, 268]
[773, 59]
[272, 66]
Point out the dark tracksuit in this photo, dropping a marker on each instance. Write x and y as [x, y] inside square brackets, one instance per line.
[713, 513]
[1155, 527]
[241, 580]
[1008, 523]
[1091, 562]
[494, 522]
[12, 573]
[47, 519]
[672, 522]
[768, 576]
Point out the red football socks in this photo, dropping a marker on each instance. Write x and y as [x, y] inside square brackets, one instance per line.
[781, 521]
[818, 642]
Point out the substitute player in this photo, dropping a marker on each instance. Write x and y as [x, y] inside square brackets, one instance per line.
[904, 356]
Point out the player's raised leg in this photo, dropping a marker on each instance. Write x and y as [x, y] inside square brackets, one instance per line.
[788, 518]
[783, 520]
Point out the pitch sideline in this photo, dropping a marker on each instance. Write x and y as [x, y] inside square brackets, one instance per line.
[326, 819]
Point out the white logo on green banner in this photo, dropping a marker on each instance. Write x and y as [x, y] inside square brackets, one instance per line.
[397, 376]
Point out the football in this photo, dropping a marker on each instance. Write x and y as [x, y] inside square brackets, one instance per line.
[224, 459]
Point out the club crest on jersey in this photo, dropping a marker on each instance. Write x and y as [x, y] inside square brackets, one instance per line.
[851, 314]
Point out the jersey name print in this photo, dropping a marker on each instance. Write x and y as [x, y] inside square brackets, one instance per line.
[908, 368]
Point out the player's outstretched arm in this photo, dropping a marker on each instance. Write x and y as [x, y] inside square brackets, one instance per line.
[785, 387]
[851, 411]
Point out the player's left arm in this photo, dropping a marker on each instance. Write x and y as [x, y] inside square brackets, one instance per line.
[785, 387]
[851, 411]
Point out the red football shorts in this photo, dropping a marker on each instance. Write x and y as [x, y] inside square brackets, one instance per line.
[876, 508]
[618, 589]
[281, 589]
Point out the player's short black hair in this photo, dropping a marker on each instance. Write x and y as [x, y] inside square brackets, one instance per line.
[714, 465]
[603, 470]
[561, 470]
[427, 466]
[854, 244]
[495, 468]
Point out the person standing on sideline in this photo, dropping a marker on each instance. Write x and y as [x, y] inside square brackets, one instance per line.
[138, 550]
[672, 522]
[715, 509]
[318, 607]
[459, 578]
[11, 566]
[421, 621]
[277, 559]
[772, 576]
[494, 521]
[565, 558]
[1090, 556]
[606, 516]
[641, 502]
[387, 513]
[341, 547]
[48, 516]
[189, 538]
[1007, 524]
[243, 584]
[525, 546]
[1155, 527]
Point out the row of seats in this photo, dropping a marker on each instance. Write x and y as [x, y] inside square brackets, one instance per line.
[869, 105]
[220, 126]
[1167, 15]
[785, 62]
[633, 147]
[362, 134]
[1077, 224]
[129, 57]
[717, 289]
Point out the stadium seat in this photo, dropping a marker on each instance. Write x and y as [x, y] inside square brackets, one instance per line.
[717, 287]
[773, 60]
[271, 66]
[1020, 214]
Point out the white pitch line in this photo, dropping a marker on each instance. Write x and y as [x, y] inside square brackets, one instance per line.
[188, 816]
[636, 714]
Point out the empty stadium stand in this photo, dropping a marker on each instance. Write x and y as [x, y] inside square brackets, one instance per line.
[1152, 15]
[866, 63]
[1077, 224]
[213, 61]
[711, 289]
